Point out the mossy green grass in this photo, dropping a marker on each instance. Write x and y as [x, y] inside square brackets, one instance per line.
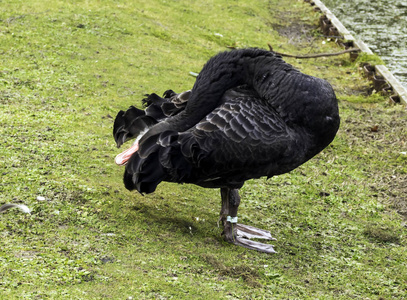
[67, 68]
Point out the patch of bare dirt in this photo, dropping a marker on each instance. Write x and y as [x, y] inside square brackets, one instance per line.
[296, 32]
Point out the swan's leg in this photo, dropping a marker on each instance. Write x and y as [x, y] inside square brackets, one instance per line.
[240, 234]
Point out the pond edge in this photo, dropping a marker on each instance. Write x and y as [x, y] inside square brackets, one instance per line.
[383, 80]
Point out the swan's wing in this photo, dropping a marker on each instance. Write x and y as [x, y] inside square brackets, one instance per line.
[243, 138]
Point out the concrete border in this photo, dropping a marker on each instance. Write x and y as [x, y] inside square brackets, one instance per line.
[399, 91]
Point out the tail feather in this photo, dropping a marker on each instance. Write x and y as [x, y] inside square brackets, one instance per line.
[131, 123]
[123, 120]
[143, 174]
[126, 128]
[158, 159]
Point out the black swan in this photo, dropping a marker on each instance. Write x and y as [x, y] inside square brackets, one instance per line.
[249, 114]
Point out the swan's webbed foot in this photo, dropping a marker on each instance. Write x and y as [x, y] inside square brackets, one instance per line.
[251, 232]
[240, 234]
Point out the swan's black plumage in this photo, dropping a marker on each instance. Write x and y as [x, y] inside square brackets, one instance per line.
[249, 114]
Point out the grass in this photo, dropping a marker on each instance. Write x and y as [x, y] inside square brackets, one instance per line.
[66, 68]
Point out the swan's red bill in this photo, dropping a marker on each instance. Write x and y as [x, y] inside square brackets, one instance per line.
[122, 158]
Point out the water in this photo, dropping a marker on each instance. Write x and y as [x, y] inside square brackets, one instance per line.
[382, 25]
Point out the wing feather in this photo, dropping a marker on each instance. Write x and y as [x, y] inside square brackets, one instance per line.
[243, 135]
